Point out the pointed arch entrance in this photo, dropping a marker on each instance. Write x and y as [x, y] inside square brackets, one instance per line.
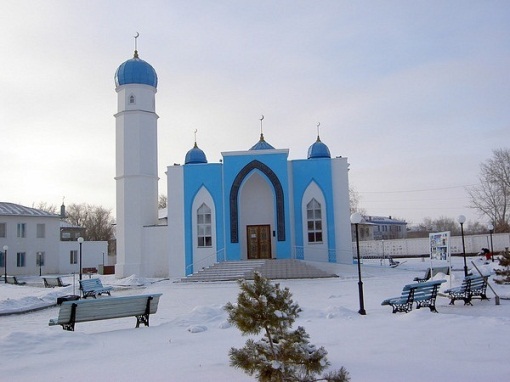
[234, 197]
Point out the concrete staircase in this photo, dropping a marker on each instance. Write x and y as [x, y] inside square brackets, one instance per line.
[271, 269]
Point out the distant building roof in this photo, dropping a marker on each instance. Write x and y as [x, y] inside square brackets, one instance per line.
[11, 209]
[383, 220]
[64, 224]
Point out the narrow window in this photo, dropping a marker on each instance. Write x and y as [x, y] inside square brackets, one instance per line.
[20, 259]
[204, 230]
[131, 99]
[73, 256]
[2, 230]
[41, 231]
[2, 259]
[314, 221]
[22, 230]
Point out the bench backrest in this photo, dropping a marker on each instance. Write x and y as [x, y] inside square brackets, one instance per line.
[423, 290]
[52, 281]
[91, 284]
[475, 282]
[112, 307]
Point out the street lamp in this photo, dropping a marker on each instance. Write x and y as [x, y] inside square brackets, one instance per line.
[39, 261]
[5, 263]
[80, 240]
[491, 230]
[356, 218]
[462, 219]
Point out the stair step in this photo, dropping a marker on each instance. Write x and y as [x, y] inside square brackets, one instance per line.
[273, 269]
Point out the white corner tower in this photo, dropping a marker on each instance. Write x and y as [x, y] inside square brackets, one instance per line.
[136, 162]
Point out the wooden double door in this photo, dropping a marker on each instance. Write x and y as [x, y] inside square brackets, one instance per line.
[259, 241]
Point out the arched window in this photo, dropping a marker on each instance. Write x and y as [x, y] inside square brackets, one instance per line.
[314, 221]
[132, 99]
[204, 231]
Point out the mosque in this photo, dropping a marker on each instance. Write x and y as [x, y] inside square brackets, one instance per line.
[253, 204]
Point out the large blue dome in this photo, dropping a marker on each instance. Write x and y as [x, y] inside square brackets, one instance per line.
[136, 71]
[195, 155]
[318, 150]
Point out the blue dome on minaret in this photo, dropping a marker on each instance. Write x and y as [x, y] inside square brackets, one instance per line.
[195, 155]
[318, 150]
[136, 71]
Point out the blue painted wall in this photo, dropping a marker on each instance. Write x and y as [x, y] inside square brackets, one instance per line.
[319, 171]
[208, 176]
[277, 162]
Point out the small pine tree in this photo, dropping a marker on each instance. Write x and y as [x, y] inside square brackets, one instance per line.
[282, 354]
[503, 273]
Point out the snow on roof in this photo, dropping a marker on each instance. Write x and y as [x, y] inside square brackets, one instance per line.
[383, 220]
[11, 209]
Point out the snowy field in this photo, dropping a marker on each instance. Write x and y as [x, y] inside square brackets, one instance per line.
[189, 338]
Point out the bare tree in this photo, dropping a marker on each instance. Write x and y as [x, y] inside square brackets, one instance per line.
[354, 201]
[476, 228]
[97, 221]
[492, 196]
[162, 201]
[43, 206]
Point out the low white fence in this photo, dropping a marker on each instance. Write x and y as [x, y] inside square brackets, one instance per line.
[419, 247]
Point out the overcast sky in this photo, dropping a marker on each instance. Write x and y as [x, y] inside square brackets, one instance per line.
[415, 94]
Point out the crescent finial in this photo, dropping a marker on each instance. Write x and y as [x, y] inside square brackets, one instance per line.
[136, 47]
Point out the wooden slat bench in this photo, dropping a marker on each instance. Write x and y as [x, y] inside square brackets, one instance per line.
[140, 306]
[471, 287]
[429, 274]
[424, 294]
[93, 287]
[14, 280]
[53, 281]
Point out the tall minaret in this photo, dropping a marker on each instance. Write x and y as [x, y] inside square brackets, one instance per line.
[136, 162]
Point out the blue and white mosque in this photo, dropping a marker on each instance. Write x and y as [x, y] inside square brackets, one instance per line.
[254, 204]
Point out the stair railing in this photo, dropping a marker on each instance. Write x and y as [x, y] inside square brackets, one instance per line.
[219, 258]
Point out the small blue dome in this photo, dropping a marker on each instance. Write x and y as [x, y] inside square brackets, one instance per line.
[318, 150]
[262, 144]
[136, 71]
[195, 155]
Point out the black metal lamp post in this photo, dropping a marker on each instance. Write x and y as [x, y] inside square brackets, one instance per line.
[5, 263]
[80, 240]
[39, 262]
[356, 218]
[491, 230]
[462, 219]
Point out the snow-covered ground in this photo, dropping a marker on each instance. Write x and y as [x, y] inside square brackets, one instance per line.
[189, 338]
